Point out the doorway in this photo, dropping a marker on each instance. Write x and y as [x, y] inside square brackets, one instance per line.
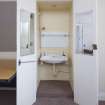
[46, 50]
[55, 39]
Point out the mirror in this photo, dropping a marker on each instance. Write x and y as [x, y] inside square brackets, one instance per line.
[27, 33]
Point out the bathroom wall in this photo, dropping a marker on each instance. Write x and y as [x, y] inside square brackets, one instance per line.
[38, 44]
[56, 21]
[63, 72]
[71, 47]
[55, 0]
[101, 47]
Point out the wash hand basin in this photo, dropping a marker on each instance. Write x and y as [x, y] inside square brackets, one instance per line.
[53, 59]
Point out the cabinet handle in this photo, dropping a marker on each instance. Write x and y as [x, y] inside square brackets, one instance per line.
[19, 62]
[94, 46]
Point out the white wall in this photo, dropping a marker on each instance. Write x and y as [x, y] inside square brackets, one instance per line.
[54, 0]
[52, 21]
[37, 40]
[55, 20]
[101, 47]
[46, 72]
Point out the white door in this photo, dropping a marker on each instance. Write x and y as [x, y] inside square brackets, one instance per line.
[26, 56]
[85, 65]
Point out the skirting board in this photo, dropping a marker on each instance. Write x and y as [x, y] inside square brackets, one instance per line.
[102, 96]
[7, 55]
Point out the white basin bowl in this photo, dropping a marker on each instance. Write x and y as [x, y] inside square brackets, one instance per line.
[53, 59]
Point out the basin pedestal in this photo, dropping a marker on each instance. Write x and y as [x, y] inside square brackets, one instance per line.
[54, 70]
[54, 59]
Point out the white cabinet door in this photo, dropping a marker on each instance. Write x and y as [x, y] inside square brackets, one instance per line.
[26, 54]
[28, 83]
[85, 65]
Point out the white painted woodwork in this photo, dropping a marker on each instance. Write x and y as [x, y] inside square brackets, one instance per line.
[85, 66]
[27, 71]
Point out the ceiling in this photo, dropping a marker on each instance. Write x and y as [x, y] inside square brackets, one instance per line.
[54, 4]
